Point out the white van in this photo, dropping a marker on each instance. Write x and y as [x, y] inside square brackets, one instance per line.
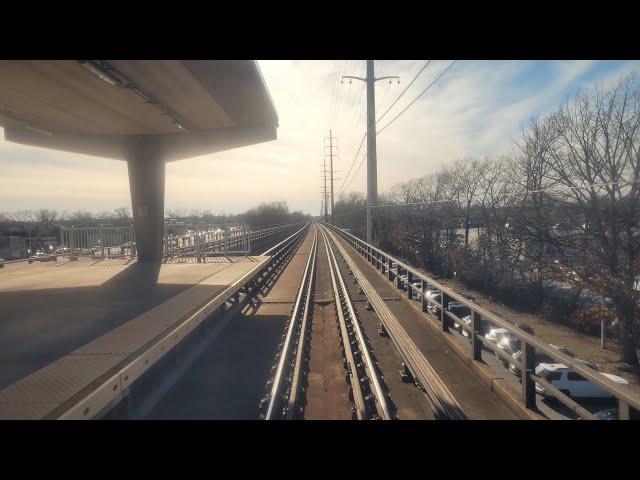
[572, 383]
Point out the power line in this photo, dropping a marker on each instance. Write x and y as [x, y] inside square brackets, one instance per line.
[357, 170]
[394, 118]
[513, 194]
[352, 211]
[352, 163]
[404, 91]
[549, 190]
[374, 125]
[419, 95]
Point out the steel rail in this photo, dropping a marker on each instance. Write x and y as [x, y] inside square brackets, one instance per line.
[276, 396]
[625, 398]
[436, 391]
[296, 381]
[283, 243]
[364, 350]
[103, 397]
[360, 405]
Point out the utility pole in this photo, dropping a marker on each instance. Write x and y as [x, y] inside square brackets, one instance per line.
[330, 155]
[372, 163]
[324, 192]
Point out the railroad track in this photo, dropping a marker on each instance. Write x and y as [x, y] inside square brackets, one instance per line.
[423, 374]
[282, 399]
[370, 400]
[285, 399]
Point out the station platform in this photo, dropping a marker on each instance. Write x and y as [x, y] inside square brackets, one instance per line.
[70, 328]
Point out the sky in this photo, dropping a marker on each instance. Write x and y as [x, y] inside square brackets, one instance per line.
[476, 108]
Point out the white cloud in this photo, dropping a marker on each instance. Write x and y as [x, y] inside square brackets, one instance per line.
[474, 109]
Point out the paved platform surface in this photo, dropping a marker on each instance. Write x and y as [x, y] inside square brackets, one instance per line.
[66, 324]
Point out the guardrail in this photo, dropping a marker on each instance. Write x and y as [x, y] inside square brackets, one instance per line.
[93, 240]
[529, 344]
[200, 243]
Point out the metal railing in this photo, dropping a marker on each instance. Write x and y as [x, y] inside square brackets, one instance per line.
[117, 242]
[199, 243]
[529, 344]
[236, 241]
[102, 242]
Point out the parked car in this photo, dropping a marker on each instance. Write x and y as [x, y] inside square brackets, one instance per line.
[496, 334]
[506, 347]
[510, 344]
[572, 383]
[485, 327]
[460, 311]
[542, 357]
[433, 295]
[608, 414]
[394, 270]
[417, 290]
[466, 322]
[614, 414]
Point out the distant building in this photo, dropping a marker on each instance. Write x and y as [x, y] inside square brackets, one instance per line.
[12, 247]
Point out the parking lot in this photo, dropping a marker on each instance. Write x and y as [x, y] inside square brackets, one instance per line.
[547, 406]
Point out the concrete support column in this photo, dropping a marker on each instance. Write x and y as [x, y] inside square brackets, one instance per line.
[146, 180]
